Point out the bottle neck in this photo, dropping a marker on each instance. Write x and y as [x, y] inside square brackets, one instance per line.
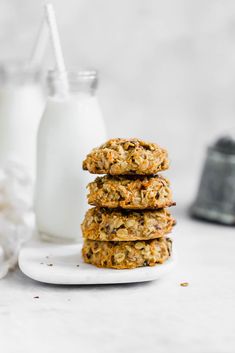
[18, 73]
[81, 82]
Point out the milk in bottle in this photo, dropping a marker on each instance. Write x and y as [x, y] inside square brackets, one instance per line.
[21, 106]
[70, 127]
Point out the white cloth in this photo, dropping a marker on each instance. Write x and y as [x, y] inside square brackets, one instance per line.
[16, 215]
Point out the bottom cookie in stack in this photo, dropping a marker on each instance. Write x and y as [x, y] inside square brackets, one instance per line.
[126, 239]
[126, 254]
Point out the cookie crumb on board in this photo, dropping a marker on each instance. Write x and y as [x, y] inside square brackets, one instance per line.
[184, 284]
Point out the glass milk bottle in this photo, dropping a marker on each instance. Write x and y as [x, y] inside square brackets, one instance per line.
[69, 129]
[21, 107]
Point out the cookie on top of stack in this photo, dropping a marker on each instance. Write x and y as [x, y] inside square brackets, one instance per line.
[129, 224]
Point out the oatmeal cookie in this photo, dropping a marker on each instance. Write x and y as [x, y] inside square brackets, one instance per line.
[130, 192]
[121, 225]
[126, 254]
[125, 157]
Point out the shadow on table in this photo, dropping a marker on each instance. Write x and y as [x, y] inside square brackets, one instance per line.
[22, 280]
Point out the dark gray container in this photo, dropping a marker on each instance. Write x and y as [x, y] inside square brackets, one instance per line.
[216, 194]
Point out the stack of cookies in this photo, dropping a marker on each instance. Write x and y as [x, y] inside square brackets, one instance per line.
[127, 228]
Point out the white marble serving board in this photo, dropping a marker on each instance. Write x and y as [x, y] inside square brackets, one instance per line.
[63, 264]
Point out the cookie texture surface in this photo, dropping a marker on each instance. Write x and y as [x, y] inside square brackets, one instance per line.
[120, 225]
[125, 157]
[126, 255]
[130, 192]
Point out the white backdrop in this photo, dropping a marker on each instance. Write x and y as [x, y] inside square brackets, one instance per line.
[167, 68]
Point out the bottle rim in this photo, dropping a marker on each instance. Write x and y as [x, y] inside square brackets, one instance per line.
[78, 80]
[19, 71]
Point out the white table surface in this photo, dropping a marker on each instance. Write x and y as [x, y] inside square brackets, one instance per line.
[159, 316]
